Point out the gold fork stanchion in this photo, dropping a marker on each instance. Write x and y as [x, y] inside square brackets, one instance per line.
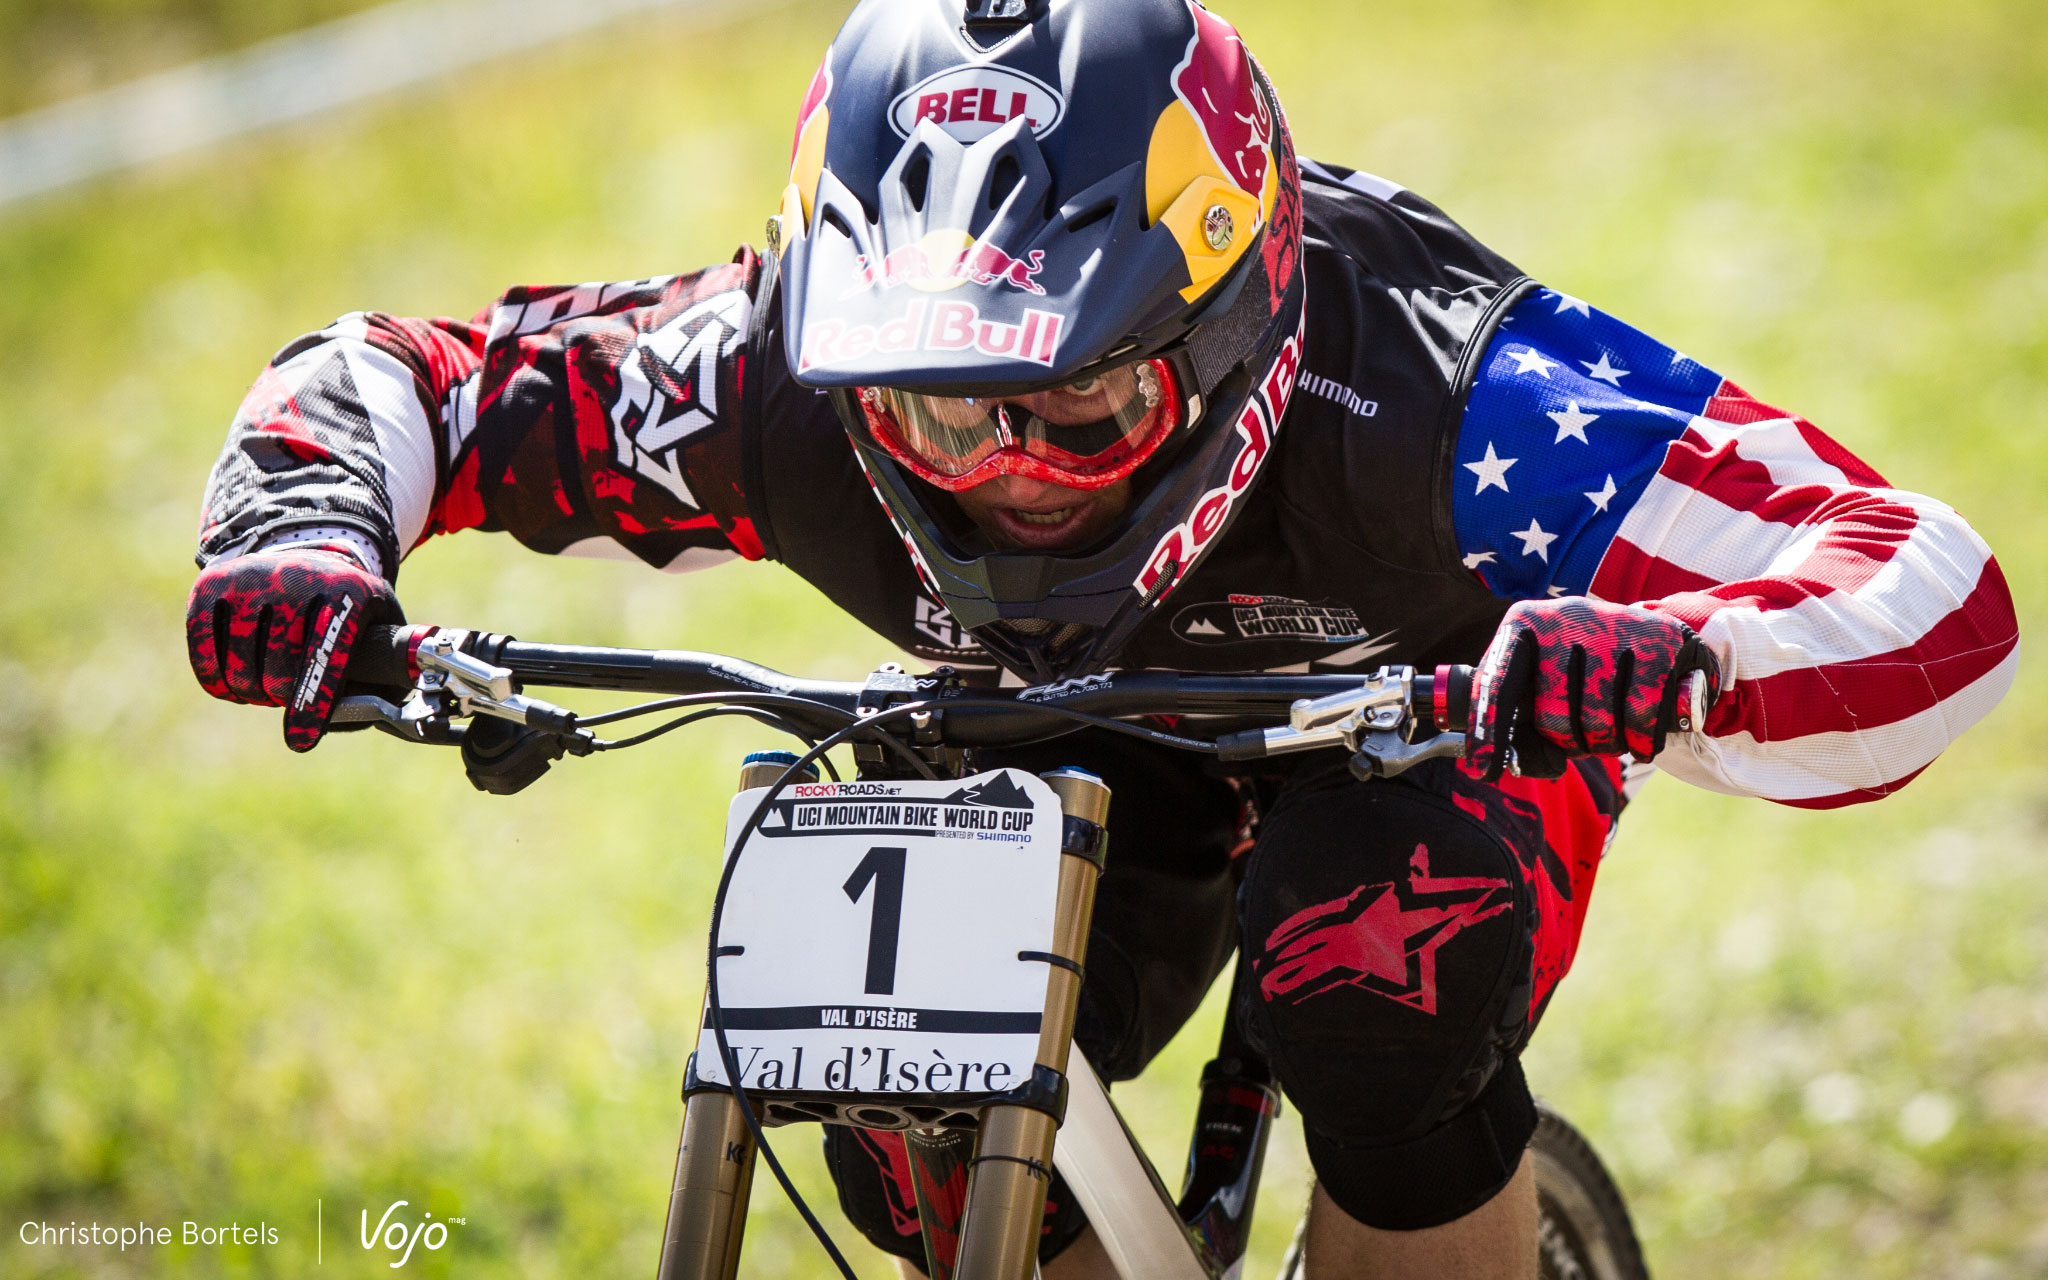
[707, 1204]
[1012, 1166]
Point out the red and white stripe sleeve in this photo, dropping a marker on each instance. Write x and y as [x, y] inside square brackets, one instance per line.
[1860, 628]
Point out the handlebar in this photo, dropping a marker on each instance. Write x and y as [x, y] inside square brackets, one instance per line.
[1300, 712]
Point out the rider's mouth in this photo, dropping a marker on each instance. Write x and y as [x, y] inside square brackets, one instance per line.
[1055, 530]
[1042, 517]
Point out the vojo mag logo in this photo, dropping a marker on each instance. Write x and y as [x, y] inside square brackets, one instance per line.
[972, 102]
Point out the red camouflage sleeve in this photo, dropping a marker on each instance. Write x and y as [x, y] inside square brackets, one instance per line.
[597, 419]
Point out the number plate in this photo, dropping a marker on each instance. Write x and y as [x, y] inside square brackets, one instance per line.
[872, 936]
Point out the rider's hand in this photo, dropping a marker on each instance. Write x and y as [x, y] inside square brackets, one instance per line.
[1576, 677]
[274, 628]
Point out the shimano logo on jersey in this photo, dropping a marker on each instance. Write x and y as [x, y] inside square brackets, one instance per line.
[316, 670]
[972, 102]
[1333, 390]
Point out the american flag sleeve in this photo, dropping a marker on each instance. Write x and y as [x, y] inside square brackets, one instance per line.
[596, 419]
[1860, 628]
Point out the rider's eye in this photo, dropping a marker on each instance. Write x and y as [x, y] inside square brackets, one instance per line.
[1085, 387]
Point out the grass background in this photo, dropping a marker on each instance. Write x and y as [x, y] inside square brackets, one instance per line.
[235, 983]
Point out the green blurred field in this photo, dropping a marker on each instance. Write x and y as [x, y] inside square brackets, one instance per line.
[234, 983]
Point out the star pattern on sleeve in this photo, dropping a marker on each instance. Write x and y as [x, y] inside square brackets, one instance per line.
[1492, 471]
[1535, 542]
[1548, 401]
[1572, 422]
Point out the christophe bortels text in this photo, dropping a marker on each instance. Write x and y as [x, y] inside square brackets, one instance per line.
[76, 1233]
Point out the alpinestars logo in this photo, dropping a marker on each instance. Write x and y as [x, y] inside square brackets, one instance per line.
[1382, 937]
[668, 388]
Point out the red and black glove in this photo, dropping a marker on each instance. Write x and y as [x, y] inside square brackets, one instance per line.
[1575, 677]
[274, 629]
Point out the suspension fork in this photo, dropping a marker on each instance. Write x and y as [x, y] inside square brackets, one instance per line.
[707, 1203]
[1011, 1169]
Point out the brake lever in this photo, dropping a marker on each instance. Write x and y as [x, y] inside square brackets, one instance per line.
[1386, 754]
[453, 683]
[1376, 710]
[480, 688]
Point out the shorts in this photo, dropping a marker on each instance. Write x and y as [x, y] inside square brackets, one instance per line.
[1403, 937]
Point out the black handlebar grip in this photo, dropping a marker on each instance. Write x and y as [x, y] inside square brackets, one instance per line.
[382, 656]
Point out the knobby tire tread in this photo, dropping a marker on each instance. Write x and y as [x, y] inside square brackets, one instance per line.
[1562, 1142]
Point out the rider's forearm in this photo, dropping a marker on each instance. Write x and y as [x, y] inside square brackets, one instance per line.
[1860, 629]
[594, 420]
[340, 439]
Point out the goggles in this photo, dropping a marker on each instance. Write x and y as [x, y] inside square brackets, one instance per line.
[1087, 434]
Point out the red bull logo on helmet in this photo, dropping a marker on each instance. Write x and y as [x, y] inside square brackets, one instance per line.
[1176, 552]
[1215, 80]
[945, 260]
[948, 327]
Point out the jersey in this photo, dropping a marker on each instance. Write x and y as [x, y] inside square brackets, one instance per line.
[1458, 437]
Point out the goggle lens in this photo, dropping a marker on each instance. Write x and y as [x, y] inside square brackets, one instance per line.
[1085, 435]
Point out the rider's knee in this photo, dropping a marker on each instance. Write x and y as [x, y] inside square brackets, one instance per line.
[1439, 1177]
[1390, 934]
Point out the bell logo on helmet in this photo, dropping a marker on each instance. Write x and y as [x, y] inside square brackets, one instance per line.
[970, 103]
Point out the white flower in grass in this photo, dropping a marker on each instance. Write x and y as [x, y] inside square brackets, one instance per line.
[1835, 1098]
[1927, 1118]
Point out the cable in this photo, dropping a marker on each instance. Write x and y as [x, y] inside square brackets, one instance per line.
[675, 703]
[740, 702]
[772, 721]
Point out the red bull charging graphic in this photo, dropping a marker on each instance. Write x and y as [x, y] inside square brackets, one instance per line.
[1215, 81]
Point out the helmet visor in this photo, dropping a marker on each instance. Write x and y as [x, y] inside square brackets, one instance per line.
[1086, 434]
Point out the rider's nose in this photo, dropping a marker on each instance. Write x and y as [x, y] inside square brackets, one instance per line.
[1024, 491]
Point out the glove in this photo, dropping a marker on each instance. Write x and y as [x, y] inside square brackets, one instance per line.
[1576, 677]
[273, 628]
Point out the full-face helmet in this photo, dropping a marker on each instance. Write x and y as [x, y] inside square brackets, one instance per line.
[1058, 239]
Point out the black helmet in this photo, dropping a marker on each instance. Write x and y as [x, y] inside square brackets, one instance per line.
[999, 197]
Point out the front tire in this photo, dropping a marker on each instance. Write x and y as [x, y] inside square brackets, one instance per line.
[1583, 1231]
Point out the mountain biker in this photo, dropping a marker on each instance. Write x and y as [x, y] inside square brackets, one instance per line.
[1128, 384]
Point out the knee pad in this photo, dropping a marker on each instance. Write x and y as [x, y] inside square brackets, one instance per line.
[1390, 936]
[1442, 1175]
[878, 1195]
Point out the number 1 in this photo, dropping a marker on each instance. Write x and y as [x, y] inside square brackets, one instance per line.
[885, 867]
